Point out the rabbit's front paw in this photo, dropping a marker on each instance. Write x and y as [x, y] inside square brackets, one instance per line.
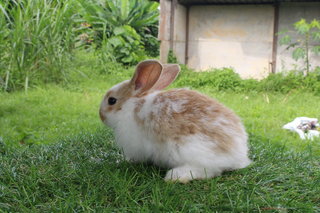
[186, 173]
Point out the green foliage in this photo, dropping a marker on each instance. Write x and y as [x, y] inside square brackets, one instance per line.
[172, 59]
[125, 45]
[280, 82]
[250, 85]
[36, 39]
[150, 40]
[312, 82]
[302, 46]
[226, 79]
[139, 14]
[219, 79]
[127, 25]
[285, 82]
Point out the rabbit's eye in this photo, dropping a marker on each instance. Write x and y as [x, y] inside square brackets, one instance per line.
[112, 100]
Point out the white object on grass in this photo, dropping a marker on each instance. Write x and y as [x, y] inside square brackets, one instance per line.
[294, 126]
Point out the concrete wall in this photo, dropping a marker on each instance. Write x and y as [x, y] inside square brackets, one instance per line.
[164, 29]
[290, 13]
[180, 32]
[238, 36]
[172, 30]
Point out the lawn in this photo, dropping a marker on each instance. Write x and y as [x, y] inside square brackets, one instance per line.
[56, 156]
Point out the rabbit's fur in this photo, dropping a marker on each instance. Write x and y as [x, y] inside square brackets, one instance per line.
[193, 135]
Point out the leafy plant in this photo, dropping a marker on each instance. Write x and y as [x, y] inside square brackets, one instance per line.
[126, 45]
[126, 24]
[172, 57]
[302, 46]
[150, 40]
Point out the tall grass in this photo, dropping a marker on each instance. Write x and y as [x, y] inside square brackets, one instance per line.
[36, 38]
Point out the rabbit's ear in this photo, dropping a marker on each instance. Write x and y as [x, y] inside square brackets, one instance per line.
[147, 74]
[169, 74]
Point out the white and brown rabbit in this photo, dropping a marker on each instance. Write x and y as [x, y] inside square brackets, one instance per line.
[190, 133]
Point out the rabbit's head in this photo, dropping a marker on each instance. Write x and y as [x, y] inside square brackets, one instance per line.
[150, 76]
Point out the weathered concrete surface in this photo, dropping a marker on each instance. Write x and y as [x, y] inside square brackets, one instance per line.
[164, 29]
[238, 36]
[290, 13]
[180, 32]
[176, 33]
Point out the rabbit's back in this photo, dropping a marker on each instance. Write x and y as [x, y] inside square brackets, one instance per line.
[176, 114]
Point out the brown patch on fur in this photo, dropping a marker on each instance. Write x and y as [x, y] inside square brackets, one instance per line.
[109, 109]
[176, 138]
[137, 109]
[151, 116]
[122, 95]
[198, 114]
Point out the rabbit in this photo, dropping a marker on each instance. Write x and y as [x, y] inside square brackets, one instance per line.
[189, 133]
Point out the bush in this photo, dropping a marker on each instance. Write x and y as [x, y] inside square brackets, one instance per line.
[125, 26]
[283, 82]
[312, 81]
[250, 85]
[226, 79]
[219, 79]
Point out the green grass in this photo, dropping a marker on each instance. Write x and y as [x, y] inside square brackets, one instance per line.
[85, 172]
[48, 113]
[56, 156]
